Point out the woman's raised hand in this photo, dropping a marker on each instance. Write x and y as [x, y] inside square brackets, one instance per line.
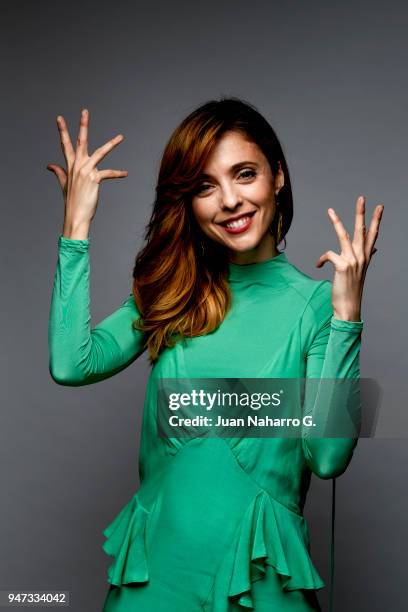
[352, 263]
[80, 180]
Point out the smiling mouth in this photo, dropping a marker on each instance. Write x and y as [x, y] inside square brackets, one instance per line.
[240, 225]
[239, 221]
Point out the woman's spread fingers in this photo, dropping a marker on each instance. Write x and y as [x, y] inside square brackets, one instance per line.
[66, 144]
[335, 258]
[102, 151]
[111, 174]
[82, 141]
[60, 174]
[342, 234]
[359, 226]
[373, 230]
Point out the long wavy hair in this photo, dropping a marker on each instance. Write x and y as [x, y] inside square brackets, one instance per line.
[180, 276]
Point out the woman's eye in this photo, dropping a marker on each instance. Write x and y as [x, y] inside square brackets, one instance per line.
[201, 188]
[250, 172]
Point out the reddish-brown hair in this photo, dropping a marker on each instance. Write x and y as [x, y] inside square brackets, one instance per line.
[180, 276]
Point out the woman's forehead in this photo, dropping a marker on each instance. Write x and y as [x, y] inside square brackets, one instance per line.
[232, 150]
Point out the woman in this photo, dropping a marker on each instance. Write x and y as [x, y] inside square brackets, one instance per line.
[217, 523]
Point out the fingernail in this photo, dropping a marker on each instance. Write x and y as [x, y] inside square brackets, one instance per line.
[84, 110]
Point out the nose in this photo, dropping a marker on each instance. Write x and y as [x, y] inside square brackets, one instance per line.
[229, 197]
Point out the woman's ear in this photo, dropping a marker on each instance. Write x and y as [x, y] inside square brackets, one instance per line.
[279, 179]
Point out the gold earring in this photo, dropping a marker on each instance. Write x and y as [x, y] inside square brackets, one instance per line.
[279, 232]
[279, 229]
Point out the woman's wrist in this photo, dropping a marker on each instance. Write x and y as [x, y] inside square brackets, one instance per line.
[348, 316]
[348, 312]
[75, 229]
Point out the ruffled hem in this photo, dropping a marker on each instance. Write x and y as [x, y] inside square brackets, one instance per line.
[126, 543]
[271, 534]
[268, 534]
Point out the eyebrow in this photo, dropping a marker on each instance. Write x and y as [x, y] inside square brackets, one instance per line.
[233, 168]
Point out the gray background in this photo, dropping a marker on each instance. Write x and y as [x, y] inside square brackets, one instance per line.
[329, 78]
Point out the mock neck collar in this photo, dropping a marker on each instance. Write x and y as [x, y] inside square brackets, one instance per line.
[269, 271]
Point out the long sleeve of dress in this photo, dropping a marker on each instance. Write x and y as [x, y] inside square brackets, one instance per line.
[79, 355]
[333, 352]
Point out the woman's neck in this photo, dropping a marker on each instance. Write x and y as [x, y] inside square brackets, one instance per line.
[266, 249]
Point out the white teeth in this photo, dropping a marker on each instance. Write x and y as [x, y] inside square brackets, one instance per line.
[238, 223]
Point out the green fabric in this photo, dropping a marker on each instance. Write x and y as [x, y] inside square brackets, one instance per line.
[216, 524]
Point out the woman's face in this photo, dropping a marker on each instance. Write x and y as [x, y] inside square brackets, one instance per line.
[238, 182]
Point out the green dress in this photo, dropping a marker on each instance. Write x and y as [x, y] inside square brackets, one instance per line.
[216, 524]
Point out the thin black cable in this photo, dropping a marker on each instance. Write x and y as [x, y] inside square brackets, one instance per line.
[333, 512]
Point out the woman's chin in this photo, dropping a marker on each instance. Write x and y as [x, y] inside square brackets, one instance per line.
[244, 242]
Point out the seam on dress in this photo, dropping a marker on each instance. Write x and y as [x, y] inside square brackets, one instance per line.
[239, 525]
[260, 486]
[319, 326]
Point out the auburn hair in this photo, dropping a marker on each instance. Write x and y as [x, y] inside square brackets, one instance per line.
[180, 276]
